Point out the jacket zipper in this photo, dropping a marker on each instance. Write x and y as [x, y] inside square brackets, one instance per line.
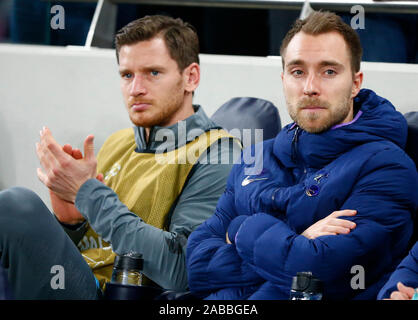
[295, 153]
[295, 139]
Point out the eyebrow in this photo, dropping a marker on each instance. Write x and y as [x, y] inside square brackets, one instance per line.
[123, 70]
[325, 63]
[147, 68]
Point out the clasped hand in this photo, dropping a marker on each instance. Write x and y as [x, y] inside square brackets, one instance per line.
[331, 225]
[61, 172]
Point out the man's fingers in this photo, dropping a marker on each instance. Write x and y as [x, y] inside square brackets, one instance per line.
[227, 238]
[41, 176]
[342, 223]
[396, 295]
[68, 149]
[89, 147]
[46, 135]
[48, 141]
[100, 177]
[324, 233]
[46, 159]
[337, 230]
[346, 212]
[77, 154]
[61, 156]
[406, 290]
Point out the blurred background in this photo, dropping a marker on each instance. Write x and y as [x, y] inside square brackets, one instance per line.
[387, 36]
[67, 78]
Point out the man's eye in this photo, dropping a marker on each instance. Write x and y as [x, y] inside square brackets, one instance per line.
[127, 75]
[155, 73]
[330, 72]
[297, 72]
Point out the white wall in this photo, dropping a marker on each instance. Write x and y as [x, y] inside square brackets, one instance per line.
[76, 92]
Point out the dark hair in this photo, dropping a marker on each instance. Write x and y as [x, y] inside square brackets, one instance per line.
[179, 37]
[320, 22]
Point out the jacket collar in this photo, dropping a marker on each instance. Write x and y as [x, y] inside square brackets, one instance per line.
[174, 136]
[375, 120]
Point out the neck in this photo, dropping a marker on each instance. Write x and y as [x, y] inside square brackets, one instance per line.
[182, 114]
[350, 115]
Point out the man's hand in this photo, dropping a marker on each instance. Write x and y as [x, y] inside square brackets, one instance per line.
[76, 154]
[65, 211]
[227, 238]
[331, 225]
[403, 293]
[61, 173]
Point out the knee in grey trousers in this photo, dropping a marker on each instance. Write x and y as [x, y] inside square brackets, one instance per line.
[40, 259]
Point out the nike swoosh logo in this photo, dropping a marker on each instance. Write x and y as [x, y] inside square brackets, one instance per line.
[247, 180]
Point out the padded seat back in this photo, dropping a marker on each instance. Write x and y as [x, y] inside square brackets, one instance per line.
[241, 116]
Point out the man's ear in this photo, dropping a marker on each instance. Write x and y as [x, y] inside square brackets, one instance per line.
[192, 77]
[357, 81]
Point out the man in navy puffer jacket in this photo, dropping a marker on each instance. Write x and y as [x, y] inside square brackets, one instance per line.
[336, 191]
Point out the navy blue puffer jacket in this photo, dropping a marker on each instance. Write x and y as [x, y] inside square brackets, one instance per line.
[360, 165]
[406, 272]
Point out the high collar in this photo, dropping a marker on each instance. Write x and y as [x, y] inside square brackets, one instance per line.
[176, 135]
[376, 120]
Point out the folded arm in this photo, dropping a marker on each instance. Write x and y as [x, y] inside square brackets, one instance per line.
[384, 197]
[212, 263]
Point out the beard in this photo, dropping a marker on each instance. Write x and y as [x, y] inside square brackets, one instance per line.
[161, 111]
[323, 119]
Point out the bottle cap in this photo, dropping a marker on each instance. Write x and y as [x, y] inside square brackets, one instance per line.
[306, 282]
[129, 261]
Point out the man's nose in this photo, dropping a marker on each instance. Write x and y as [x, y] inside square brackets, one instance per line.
[137, 86]
[311, 87]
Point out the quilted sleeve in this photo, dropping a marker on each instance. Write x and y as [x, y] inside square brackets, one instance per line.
[385, 196]
[212, 264]
[407, 273]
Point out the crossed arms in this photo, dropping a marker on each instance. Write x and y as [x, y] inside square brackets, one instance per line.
[263, 248]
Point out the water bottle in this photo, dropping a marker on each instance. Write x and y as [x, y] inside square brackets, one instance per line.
[127, 269]
[126, 281]
[306, 287]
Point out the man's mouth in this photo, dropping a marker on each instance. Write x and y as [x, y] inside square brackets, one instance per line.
[313, 107]
[140, 106]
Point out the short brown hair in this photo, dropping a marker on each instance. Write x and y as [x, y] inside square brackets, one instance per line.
[180, 37]
[320, 22]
